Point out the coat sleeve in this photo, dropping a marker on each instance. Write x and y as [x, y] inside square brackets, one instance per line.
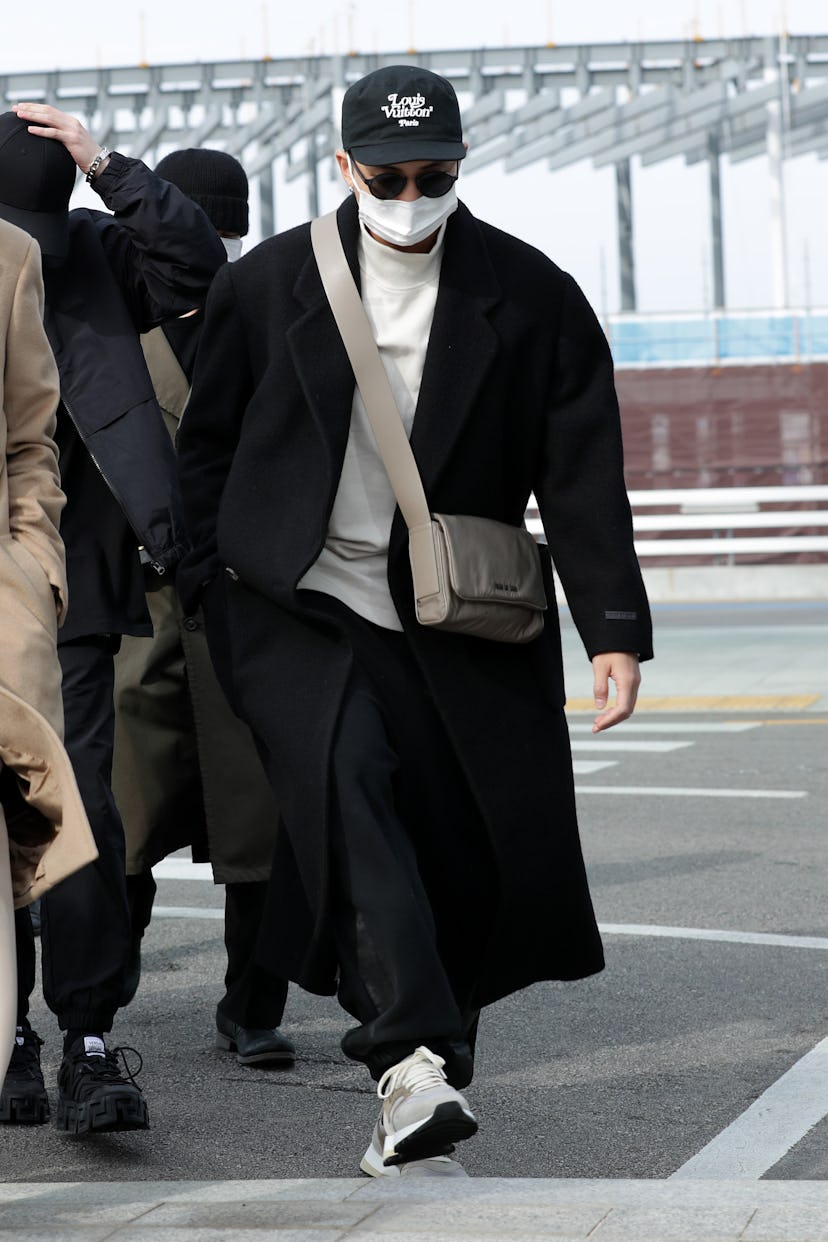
[30, 398]
[581, 493]
[161, 246]
[209, 431]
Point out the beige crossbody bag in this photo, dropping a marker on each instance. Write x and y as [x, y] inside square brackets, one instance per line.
[471, 575]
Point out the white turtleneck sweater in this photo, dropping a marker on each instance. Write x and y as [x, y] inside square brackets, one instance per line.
[399, 292]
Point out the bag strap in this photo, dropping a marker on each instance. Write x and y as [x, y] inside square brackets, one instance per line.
[372, 381]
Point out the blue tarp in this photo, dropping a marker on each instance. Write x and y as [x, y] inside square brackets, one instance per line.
[709, 340]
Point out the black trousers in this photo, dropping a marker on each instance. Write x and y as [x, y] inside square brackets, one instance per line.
[253, 997]
[412, 871]
[85, 918]
[26, 960]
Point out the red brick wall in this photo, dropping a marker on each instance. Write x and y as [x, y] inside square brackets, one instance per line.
[720, 427]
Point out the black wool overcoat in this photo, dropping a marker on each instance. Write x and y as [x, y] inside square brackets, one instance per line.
[517, 396]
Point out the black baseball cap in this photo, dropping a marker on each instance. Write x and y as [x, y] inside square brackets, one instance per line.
[402, 112]
[37, 176]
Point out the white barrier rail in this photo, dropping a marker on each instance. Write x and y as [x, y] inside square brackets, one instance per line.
[722, 511]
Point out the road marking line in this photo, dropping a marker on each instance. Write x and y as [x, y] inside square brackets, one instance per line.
[687, 726]
[584, 767]
[711, 703]
[666, 791]
[709, 933]
[649, 748]
[644, 930]
[187, 912]
[767, 1130]
[182, 869]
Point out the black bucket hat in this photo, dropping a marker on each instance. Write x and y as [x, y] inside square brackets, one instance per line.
[37, 176]
[402, 112]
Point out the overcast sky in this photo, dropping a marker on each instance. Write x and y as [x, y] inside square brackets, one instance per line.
[81, 33]
[570, 214]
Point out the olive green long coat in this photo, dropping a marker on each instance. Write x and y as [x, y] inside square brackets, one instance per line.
[186, 771]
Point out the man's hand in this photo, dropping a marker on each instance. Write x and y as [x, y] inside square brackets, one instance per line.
[49, 122]
[623, 668]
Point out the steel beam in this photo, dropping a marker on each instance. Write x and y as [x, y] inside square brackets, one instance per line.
[716, 242]
[626, 250]
[267, 206]
[607, 103]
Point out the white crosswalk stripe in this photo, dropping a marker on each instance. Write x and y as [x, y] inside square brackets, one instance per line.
[675, 726]
[621, 745]
[585, 767]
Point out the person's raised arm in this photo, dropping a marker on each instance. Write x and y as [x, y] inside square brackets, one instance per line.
[160, 245]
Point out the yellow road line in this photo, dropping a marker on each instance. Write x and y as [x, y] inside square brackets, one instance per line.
[713, 703]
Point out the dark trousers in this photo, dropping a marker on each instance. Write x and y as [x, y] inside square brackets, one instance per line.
[253, 997]
[85, 918]
[26, 960]
[412, 873]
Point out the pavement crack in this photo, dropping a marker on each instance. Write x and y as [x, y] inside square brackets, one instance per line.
[306, 1084]
[749, 1222]
[599, 1223]
[130, 1224]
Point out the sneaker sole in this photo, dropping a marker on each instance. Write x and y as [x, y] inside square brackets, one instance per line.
[371, 1163]
[257, 1058]
[267, 1058]
[114, 1112]
[24, 1110]
[449, 1123]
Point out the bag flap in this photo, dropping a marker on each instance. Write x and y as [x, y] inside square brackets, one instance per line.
[489, 560]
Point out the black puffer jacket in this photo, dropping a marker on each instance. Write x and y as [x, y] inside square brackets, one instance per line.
[153, 260]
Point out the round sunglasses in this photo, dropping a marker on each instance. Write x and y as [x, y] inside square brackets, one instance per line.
[433, 183]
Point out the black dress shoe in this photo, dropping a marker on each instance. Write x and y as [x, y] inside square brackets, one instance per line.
[252, 1046]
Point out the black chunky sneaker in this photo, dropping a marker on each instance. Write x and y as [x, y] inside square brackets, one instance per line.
[23, 1099]
[93, 1094]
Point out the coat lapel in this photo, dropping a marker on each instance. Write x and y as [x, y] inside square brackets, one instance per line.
[461, 348]
[319, 356]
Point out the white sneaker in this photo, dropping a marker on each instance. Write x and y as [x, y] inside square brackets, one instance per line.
[422, 1116]
[434, 1166]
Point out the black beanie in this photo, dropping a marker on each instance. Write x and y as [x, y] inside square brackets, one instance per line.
[214, 180]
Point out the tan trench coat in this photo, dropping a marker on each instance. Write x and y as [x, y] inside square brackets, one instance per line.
[32, 602]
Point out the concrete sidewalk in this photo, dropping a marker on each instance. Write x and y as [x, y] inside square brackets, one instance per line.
[715, 656]
[416, 1210]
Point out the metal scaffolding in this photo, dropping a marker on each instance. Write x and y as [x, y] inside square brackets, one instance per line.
[604, 103]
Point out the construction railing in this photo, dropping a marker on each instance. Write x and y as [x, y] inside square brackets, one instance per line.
[768, 524]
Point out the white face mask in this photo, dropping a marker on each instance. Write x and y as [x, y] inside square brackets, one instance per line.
[233, 246]
[402, 223]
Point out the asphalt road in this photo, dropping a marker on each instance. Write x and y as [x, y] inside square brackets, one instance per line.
[628, 1074]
